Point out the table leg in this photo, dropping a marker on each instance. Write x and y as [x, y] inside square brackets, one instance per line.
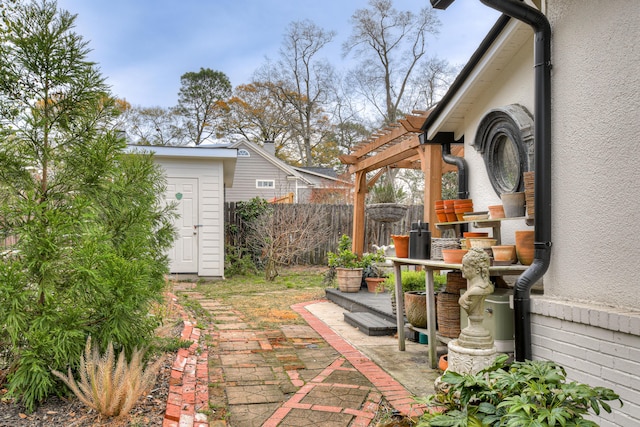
[431, 319]
[399, 305]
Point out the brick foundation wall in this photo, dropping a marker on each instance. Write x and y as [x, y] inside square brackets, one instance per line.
[597, 345]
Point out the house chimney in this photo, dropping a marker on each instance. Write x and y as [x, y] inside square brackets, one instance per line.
[269, 147]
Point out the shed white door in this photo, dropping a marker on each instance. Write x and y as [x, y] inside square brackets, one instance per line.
[184, 254]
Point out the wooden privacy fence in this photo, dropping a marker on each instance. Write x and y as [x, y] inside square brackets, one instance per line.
[339, 220]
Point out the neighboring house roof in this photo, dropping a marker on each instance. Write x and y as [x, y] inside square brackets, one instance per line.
[319, 174]
[228, 155]
[323, 172]
[290, 171]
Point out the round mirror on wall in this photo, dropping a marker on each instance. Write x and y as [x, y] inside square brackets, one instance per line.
[505, 140]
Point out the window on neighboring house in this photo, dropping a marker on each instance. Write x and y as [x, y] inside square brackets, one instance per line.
[243, 153]
[265, 183]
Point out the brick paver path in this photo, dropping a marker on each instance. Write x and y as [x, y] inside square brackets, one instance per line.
[297, 375]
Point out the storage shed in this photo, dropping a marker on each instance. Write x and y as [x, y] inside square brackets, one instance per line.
[196, 179]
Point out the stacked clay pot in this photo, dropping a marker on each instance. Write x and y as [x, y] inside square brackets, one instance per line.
[525, 249]
[461, 207]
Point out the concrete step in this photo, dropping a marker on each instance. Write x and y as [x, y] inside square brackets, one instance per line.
[370, 324]
[378, 304]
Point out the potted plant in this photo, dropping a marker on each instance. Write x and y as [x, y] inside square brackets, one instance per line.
[349, 267]
[415, 298]
[345, 263]
[385, 202]
[375, 277]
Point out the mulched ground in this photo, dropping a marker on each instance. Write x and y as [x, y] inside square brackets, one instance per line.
[70, 412]
[149, 411]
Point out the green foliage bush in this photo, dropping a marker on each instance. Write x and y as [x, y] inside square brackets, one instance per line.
[415, 281]
[531, 393]
[240, 258]
[90, 225]
[343, 257]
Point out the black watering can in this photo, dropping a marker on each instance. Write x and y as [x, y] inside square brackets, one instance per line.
[420, 241]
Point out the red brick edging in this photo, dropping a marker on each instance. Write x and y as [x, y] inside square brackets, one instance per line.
[189, 381]
[395, 393]
[188, 384]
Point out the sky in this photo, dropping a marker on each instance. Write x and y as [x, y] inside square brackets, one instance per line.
[142, 47]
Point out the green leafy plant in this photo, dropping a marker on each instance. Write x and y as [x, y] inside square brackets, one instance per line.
[374, 270]
[240, 257]
[344, 257]
[238, 261]
[384, 192]
[415, 281]
[110, 386]
[531, 393]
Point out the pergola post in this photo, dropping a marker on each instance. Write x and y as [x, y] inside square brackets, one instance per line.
[396, 146]
[431, 164]
[357, 243]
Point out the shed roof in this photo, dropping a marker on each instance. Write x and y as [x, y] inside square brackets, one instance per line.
[225, 153]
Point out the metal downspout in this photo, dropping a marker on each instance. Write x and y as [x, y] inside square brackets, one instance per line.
[542, 165]
[463, 182]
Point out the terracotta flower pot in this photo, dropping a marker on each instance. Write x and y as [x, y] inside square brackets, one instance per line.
[481, 242]
[453, 256]
[475, 234]
[504, 253]
[496, 211]
[375, 284]
[401, 242]
[524, 246]
[452, 217]
[443, 363]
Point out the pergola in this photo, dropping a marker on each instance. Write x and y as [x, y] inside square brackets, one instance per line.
[397, 146]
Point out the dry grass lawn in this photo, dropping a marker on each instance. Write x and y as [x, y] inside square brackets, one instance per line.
[268, 304]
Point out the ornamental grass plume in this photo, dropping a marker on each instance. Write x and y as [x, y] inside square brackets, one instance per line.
[108, 386]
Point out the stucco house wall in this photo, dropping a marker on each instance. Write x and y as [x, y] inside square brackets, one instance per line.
[511, 88]
[596, 123]
[588, 319]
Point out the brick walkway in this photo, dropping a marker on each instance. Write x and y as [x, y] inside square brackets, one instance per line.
[297, 375]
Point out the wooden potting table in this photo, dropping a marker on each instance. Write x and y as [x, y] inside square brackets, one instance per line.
[430, 266]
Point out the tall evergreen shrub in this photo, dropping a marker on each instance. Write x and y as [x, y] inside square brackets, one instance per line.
[90, 226]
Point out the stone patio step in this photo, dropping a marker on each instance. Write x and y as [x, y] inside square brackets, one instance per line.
[370, 324]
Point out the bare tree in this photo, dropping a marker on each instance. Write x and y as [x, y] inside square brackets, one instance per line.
[430, 83]
[303, 81]
[391, 44]
[153, 126]
[284, 232]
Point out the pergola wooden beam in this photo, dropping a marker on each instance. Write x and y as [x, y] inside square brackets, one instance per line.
[393, 154]
[380, 141]
[398, 146]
